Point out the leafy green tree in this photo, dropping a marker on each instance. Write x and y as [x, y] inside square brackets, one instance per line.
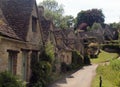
[115, 25]
[67, 22]
[90, 16]
[53, 11]
[96, 26]
[49, 50]
[41, 70]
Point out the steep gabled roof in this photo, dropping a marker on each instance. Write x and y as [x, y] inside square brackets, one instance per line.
[45, 23]
[5, 30]
[58, 33]
[17, 14]
[88, 35]
[83, 26]
[46, 27]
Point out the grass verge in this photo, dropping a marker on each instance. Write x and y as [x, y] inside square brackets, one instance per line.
[104, 57]
[110, 75]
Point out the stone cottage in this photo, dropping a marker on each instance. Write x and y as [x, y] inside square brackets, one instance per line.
[73, 41]
[47, 27]
[20, 36]
[64, 52]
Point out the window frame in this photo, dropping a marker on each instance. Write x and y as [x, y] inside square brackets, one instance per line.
[34, 24]
[12, 61]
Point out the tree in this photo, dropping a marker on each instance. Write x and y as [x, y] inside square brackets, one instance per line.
[53, 11]
[67, 22]
[96, 26]
[89, 17]
[115, 25]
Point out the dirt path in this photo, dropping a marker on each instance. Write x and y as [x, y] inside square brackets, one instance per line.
[81, 78]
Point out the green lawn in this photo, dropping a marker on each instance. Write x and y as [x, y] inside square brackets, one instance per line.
[104, 56]
[110, 73]
[105, 83]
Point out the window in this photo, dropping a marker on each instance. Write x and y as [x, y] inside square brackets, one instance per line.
[62, 58]
[12, 62]
[34, 24]
[67, 58]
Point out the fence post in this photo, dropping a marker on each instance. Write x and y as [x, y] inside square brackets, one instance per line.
[100, 81]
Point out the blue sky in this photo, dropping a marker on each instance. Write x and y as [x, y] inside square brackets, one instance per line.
[110, 8]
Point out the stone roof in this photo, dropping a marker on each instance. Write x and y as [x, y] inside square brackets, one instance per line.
[67, 33]
[111, 33]
[88, 35]
[5, 30]
[82, 26]
[58, 34]
[17, 14]
[46, 27]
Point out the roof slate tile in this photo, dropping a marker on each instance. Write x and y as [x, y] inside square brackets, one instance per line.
[17, 14]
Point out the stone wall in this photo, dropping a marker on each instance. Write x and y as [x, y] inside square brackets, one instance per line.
[11, 44]
[66, 56]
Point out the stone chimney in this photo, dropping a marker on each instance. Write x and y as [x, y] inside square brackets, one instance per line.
[41, 11]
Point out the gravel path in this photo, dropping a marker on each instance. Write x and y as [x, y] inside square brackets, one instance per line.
[81, 78]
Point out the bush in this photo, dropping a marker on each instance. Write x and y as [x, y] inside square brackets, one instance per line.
[8, 80]
[77, 58]
[40, 74]
[63, 67]
[49, 50]
[87, 60]
[41, 70]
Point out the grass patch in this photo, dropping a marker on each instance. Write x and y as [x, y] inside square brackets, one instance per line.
[103, 57]
[110, 75]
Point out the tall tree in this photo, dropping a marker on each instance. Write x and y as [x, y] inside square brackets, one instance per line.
[53, 11]
[67, 22]
[115, 25]
[96, 26]
[89, 17]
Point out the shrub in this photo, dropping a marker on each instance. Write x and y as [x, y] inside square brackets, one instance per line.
[9, 80]
[41, 70]
[77, 61]
[87, 60]
[63, 67]
[69, 67]
[40, 74]
[49, 50]
[44, 57]
[77, 58]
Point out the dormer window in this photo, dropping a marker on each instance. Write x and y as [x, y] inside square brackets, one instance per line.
[34, 24]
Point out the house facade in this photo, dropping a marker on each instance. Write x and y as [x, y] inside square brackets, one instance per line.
[64, 52]
[20, 36]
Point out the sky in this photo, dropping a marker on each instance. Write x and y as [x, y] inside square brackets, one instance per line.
[110, 8]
